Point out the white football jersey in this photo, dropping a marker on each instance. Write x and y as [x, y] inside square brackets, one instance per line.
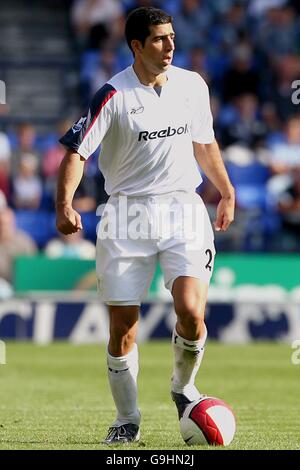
[146, 139]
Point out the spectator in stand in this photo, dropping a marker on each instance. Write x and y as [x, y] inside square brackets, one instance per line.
[273, 123]
[13, 242]
[241, 78]
[230, 26]
[54, 154]
[192, 24]
[285, 156]
[296, 5]
[198, 62]
[284, 159]
[52, 159]
[96, 72]
[97, 21]
[107, 68]
[289, 208]
[5, 164]
[27, 185]
[70, 246]
[258, 8]
[286, 69]
[245, 126]
[24, 142]
[279, 31]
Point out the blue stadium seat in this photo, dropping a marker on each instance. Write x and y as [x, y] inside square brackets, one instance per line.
[252, 174]
[89, 222]
[38, 224]
[250, 184]
[252, 196]
[41, 225]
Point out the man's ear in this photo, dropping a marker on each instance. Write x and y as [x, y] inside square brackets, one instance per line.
[136, 45]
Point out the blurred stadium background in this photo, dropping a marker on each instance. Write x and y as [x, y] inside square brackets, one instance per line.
[54, 55]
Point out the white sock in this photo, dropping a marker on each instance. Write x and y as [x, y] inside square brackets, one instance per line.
[122, 374]
[187, 359]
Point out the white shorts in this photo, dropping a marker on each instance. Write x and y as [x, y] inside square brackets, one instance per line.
[137, 232]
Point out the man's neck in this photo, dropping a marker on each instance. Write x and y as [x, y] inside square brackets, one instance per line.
[147, 78]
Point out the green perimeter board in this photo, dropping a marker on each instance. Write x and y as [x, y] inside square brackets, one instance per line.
[42, 274]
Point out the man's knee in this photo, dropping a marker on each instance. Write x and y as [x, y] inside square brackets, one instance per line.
[122, 331]
[190, 319]
[190, 307]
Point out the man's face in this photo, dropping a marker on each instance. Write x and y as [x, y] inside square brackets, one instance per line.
[157, 53]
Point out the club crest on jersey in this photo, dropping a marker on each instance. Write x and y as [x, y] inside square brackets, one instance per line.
[78, 126]
[138, 110]
[169, 132]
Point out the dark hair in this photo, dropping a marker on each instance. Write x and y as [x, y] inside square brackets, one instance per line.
[139, 20]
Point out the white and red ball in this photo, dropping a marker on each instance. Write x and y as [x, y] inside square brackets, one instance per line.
[208, 421]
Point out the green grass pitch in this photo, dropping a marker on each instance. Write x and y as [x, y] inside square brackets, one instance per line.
[57, 396]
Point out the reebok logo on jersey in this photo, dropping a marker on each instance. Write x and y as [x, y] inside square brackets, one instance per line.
[139, 110]
[169, 132]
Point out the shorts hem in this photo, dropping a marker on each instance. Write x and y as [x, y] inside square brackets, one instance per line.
[124, 303]
[169, 284]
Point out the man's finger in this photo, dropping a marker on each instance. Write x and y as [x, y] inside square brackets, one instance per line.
[226, 223]
[218, 225]
[78, 224]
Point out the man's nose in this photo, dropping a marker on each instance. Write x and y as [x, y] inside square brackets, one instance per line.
[170, 44]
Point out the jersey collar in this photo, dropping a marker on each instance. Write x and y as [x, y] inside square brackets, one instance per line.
[146, 87]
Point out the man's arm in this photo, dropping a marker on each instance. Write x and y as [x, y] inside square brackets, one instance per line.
[210, 160]
[70, 173]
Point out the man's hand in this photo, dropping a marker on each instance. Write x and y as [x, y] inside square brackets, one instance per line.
[68, 220]
[225, 213]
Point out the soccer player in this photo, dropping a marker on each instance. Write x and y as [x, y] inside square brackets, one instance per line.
[154, 122]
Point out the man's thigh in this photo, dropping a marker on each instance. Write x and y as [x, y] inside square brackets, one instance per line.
[125, 255]
[124, 275]
[191, 255]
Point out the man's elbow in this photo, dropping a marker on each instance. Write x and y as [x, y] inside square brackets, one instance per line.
[199, 149]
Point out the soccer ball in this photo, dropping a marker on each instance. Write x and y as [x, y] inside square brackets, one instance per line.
[208, 421]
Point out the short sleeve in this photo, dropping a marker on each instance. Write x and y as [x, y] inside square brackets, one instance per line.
[202, 120]
[87, 133]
